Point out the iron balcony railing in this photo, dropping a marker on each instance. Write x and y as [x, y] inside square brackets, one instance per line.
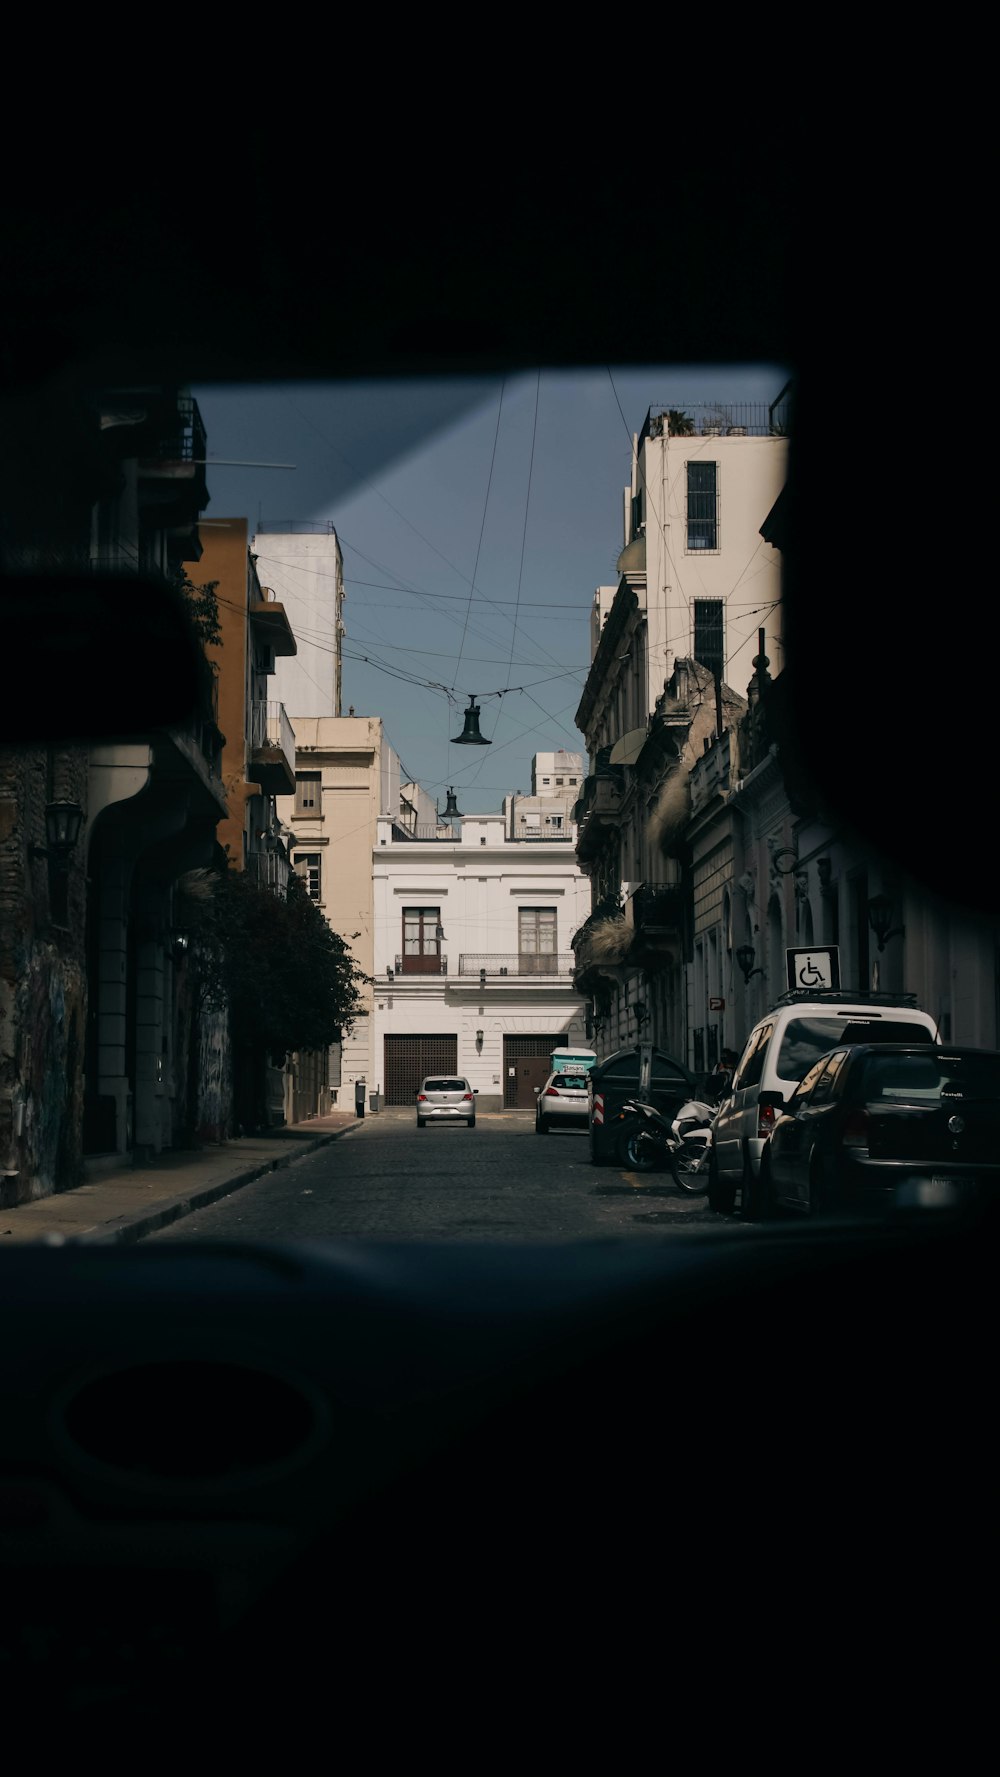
[186, 441]
[421, 965]
[270, 727]
[425, 831]
[269, 870]
[722, 419]
[516, 963]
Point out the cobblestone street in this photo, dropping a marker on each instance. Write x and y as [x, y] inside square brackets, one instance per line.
[385, 1180]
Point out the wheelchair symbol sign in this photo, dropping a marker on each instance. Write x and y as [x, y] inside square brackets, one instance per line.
[816, 967]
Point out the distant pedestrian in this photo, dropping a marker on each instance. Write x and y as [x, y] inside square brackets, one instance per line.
[723, 1071]
[359, 1098]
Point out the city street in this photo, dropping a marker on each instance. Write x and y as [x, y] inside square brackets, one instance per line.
[385, 1180]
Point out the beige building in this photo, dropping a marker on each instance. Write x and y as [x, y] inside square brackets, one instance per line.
[346, 776]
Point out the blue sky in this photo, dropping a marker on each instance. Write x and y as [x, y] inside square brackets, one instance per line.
[476, 517]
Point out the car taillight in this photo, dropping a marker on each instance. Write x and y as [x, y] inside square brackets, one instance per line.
[766, 1114]
[466, 1095]
[855, 1131]
[421, 1098]
[551, 1092]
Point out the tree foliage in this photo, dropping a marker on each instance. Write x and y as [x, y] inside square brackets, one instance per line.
[290, 981]
[202, 606]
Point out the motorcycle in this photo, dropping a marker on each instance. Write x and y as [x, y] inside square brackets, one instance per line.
[648, 1140]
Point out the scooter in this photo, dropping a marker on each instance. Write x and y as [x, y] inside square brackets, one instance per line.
[648, 1140]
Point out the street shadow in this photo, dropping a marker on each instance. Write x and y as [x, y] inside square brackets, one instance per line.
[636, 1191]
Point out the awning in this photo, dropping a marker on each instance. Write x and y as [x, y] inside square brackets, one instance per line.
[626, 751]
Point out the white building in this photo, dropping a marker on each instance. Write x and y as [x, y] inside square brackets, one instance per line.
[473, 965]
[556, 780]
[697, 579]
[302, 565]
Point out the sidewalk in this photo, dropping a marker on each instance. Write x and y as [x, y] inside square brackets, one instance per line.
[123, 1203]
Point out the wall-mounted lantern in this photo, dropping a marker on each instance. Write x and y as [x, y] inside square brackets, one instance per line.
[63, 821]
[745, 957]
[881, 911]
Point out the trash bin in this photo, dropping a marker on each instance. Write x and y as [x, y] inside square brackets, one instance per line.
[619, 1077]
[373, 1101]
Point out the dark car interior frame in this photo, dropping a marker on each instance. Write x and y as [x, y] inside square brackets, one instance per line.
[525, 1471]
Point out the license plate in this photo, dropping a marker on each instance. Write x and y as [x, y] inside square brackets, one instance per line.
[929, 1193]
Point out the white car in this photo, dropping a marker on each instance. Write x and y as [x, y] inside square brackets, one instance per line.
[779, 1052]
[444, 1098]
[563, 1102]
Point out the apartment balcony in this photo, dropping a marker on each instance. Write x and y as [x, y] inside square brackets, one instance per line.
[547, 835]
[598, 811]
[172, 466]
[421, 965]
[272, 749]
[657, 910]
[494, 965]
[269, 616]
[269, 870]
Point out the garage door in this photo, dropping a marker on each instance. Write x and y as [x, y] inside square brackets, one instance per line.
[408, 1060]
[527, 1063]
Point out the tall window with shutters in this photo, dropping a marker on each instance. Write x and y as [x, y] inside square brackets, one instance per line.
[536, 940]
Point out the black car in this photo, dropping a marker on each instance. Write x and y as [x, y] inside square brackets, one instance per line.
[886, 1127]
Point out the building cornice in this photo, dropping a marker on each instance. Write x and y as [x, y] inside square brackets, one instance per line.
[624, 605]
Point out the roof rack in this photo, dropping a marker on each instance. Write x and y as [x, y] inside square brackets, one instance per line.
[836, 996]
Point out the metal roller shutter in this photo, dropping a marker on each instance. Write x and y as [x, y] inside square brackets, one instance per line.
[408, 1060]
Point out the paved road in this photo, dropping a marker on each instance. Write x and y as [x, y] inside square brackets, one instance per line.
[385, 1180]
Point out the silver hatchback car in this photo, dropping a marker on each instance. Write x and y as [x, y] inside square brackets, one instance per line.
[443, 1098]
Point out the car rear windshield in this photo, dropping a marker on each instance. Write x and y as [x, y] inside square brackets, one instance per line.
[926, 1079]
[570, 1082]
[806, 1039]
[444, 1085]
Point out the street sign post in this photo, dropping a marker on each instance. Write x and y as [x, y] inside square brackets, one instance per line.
[817, 965]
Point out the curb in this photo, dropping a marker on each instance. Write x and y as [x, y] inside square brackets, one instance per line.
[128, 1229]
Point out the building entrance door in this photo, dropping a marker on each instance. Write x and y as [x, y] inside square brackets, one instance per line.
[527, 1063]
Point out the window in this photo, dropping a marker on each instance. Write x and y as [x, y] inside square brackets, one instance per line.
[546, 780]
[422, 934]
[709, 634]
[307, 792]
[824, 1085]
[752, 1065]
[307, 865]
[536, 939]
[559, 780]
[703, 505]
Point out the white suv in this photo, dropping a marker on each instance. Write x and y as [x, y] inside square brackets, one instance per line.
[780, 1050]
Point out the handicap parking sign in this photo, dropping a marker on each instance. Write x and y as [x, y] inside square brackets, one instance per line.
[815, 966]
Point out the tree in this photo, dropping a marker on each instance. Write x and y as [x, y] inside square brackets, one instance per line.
[289, 980]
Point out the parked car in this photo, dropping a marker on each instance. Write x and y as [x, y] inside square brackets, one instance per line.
[564, 1100]
[443, 1098]
[882, 1127]
[779, 1052]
